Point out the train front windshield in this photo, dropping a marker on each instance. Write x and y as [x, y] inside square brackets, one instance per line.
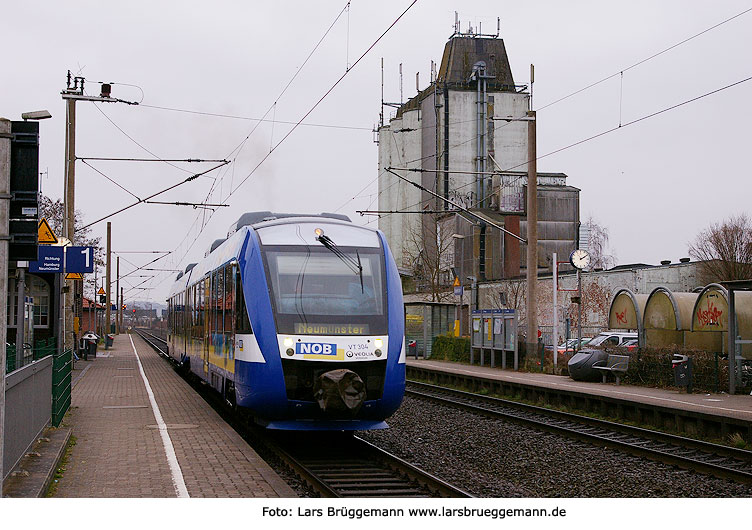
[315, 291]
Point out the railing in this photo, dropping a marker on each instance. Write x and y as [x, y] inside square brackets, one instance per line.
[62, 367]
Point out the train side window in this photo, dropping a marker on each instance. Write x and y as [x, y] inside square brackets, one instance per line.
[242, 323]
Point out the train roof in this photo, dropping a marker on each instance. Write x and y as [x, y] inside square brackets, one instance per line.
[254, 218]
[275, 231]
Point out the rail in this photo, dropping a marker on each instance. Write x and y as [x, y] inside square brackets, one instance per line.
[714, 459]
[345, 466]
[333, 464]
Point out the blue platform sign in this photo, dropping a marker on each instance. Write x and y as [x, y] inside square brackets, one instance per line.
[79, 259]
[50, 260]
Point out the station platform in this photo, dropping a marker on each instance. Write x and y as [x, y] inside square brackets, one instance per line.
[142, 431]
[737, 408]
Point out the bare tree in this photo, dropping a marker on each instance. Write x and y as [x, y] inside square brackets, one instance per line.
[430, 248]
[600, 255]
[725, 250]
[54, 213]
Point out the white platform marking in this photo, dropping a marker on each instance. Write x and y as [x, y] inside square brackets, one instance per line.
[172, 459]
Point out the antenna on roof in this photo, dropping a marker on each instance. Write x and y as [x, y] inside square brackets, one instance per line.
[498, 26]
[381, 116]
[456, 23]
[417, 82]
[400, 71]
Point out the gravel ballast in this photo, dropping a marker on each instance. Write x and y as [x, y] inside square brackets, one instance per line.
[494, 458]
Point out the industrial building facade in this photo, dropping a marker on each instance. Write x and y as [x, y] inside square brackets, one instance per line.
[465, 139]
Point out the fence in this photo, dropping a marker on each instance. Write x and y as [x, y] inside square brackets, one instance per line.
[28, 402]
[42, 348]
[62, 367]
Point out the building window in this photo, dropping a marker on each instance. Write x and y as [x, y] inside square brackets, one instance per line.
[40, 291]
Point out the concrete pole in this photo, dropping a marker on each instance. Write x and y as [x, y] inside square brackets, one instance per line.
[532, 238]
[96, 301]
[117, 290]
[5, 138]
[121, 308]
[732, 333]
[108, 308]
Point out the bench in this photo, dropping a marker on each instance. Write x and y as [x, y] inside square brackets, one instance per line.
[616, 364]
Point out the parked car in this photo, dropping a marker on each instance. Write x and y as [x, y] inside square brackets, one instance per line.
[612, 338]
[570, 345]
[630, 345]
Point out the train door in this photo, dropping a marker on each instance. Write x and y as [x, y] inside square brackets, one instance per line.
[204, 309]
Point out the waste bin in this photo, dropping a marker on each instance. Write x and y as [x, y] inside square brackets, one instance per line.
[108, 340]
[412, 348]
[89, 342]
[682, 365]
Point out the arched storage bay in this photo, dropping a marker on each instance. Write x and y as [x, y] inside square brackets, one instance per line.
[668, 318]
[710, 316]
[626, 312]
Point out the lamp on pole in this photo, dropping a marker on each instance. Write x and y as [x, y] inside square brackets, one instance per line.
[531, 236]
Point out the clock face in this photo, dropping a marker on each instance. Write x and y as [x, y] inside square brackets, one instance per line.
[580, 258]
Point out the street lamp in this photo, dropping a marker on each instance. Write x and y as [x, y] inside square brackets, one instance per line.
[21, 266]
[532, 226]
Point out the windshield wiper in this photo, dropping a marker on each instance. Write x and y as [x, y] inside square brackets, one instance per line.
[351, 263]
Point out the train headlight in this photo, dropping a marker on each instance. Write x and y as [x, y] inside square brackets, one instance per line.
[287, 342]
[290, 352]
[378, 343]
[377, 353]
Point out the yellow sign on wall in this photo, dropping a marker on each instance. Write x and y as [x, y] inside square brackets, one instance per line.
[46, 235]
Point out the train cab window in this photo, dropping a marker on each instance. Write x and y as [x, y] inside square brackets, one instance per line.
[242, 323]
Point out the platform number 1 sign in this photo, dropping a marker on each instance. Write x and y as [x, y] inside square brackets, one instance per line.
[79, 259]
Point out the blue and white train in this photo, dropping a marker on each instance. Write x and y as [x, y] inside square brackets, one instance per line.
[297, 319]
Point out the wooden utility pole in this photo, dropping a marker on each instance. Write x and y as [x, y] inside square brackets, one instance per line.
[73, 293]
[69, 286]
[532, 238]
[107, 309]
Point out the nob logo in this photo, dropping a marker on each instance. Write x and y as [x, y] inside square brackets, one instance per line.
[315, 348]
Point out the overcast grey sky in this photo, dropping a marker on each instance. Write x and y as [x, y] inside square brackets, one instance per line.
[653, 184]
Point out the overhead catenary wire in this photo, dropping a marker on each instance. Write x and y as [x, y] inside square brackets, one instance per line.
[315, 105]
[593, 137]
[189, 179]
[619, 73]
[460, 207]
[638, 63]
[299, 122]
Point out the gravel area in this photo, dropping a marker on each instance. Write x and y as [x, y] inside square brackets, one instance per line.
[492, 458]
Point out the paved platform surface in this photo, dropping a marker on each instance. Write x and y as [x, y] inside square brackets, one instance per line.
[33, 474]
[120, 450]
[736, 406]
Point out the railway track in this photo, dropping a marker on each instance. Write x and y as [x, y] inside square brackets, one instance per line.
[345, 466]
[333, 464]
[708, 458]
[155, 341]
